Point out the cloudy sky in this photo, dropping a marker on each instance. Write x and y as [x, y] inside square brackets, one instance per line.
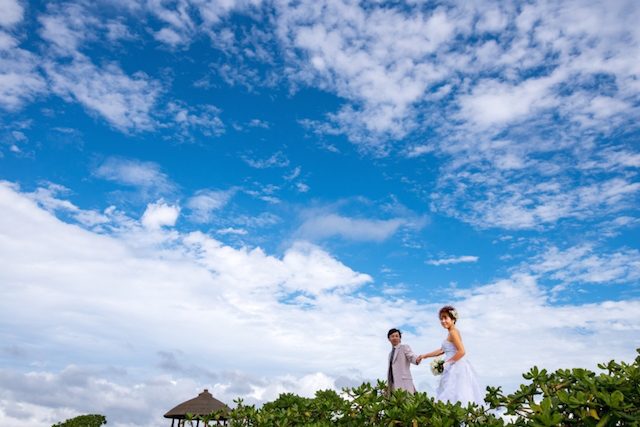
[245, 195]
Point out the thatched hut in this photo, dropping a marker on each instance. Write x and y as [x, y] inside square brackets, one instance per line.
[204, 404]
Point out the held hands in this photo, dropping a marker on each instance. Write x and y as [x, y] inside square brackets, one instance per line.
[447, 364]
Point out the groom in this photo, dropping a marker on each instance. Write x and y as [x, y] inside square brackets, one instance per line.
[399, 373]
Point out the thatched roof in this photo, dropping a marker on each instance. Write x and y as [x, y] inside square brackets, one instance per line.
[204, 404]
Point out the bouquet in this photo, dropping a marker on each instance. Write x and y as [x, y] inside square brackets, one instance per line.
[437, 366]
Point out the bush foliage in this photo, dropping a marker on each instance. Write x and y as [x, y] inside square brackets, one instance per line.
[566, 397]
[91, 420]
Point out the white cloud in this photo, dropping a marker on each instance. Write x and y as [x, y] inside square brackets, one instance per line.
[546, 91]
[146, 176]
[170, 37]
[179, 24]
[67, 28]
[419, 150]
[180, 19]
[313, 270]
[304, 267]
[612, 160]
[276, 160]
[264, 219]
[388, 64]
[257, 123]
[453, 260]
[205, 202]
[294, 174]
[265, 192]
[213, 12]
[302, 187]
[126, 102]
[117, 31]
[582, 264]
[20, 81]
[160, 214]
[491, 20]
[87, 315]
[398, 69]
[231, 230]
[330, 225]
[12, 13]
[204, 119]
[372, 57]
[385, 62]
[498, 103]
[49, 198]
[297, 181]
[43, 397]
[7, 41]
[495, 198]
[40, 397]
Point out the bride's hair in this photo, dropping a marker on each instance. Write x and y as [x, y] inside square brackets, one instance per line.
[450, 311]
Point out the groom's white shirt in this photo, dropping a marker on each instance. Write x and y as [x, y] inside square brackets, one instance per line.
[401, 367]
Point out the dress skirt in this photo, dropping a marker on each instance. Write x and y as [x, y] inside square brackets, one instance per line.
[459, 383]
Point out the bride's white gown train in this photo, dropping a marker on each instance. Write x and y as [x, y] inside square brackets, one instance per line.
[459, 382]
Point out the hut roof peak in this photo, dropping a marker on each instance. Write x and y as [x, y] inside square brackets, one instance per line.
[204, 404]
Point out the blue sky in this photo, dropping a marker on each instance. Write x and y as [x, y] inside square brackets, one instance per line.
[245, 196]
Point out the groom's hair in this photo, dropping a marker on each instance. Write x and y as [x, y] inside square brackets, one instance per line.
[393, 331]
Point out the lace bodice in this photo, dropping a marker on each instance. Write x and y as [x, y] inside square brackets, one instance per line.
[449, 349]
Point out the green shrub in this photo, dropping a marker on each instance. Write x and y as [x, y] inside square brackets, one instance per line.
[91, 420]
[575, 397]
[567, 397]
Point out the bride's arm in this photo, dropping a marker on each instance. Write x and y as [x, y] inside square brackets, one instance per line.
[457, 341]
[434, 353]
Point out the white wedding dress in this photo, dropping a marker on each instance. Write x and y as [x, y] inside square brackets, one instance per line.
[458, 382]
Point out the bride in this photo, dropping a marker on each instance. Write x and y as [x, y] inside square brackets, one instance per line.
[459, 381]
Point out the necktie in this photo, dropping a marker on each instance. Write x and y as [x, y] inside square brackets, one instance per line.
[390, 373]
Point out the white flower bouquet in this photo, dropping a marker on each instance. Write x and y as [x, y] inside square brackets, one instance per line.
[437, 366]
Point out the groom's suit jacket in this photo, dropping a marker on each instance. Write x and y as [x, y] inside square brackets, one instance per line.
[400, 366]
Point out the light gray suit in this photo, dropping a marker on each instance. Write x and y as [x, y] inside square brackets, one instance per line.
[399, 376]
